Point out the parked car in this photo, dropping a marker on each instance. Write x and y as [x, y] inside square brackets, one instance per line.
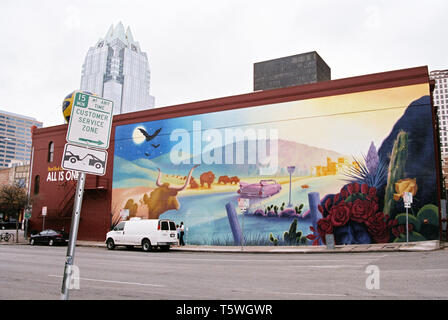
[147, 233]
[262, 189]
[8, 224]
[49, 237]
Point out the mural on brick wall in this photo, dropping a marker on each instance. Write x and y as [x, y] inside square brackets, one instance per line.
[332, 165]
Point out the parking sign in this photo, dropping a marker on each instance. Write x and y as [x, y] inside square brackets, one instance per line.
[90, 121]
[85, 160]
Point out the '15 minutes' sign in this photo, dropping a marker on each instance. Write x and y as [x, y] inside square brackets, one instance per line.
[90, 121]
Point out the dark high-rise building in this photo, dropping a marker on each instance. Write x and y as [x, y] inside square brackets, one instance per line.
[290, 71]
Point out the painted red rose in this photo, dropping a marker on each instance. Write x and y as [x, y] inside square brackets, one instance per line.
[324, 227]
[344, 194]
[340, 214]
[328, 203]
[382, 236]
[376, 221]
[392, 223]
[371, 208]
[401, 229]
[371, 195]
[359, 211]
[353, 188]
[365, 188]
[372, 192]
[377, 227]
[336, 198]
[350, 189]
[320, 208]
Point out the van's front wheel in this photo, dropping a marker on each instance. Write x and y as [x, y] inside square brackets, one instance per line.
[110, 244]
[146, 245]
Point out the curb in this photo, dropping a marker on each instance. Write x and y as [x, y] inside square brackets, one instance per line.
[389, 247]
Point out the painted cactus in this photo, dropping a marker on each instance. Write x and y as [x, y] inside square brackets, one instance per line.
[396, 171]
[273, 239]
[294, 237]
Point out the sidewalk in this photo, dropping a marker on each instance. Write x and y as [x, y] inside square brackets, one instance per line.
[411, 246]
[386, 247]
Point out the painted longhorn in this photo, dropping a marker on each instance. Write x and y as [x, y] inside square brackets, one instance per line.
[164, 197]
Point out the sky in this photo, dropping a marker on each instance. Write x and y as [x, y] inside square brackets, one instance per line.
[201, 49]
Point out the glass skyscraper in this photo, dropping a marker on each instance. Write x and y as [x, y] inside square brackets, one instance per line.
[441, 101]
[15, 138]
[116, 69]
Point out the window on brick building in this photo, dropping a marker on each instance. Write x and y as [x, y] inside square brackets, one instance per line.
[50, 151]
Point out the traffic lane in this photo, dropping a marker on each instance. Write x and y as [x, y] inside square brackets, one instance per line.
[23, 271]
[239, 276]
[129, 274]
[212, 276]
[133, 274]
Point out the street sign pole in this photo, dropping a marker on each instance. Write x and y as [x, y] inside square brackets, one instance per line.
[407, 226]
[89, 128]
[242, 230]
[73, 235]
[407, 199]
[44, 213]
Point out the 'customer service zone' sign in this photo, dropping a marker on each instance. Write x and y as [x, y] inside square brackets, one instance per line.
[90, 121]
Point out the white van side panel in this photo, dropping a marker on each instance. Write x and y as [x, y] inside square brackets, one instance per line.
[136, 231]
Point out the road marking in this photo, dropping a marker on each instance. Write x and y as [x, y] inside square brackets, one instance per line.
[297, 293]
[348, 259]
[312, 294]
[118, 282]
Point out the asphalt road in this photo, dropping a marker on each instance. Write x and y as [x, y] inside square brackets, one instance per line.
[28, 272]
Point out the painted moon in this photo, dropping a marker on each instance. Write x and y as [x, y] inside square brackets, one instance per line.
[137, 136]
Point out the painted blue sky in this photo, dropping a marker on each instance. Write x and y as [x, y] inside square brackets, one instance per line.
[327, 122]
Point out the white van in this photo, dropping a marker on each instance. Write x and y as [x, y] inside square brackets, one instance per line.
[148, 233]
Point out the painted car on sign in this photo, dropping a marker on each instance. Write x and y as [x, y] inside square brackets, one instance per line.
[262, 189]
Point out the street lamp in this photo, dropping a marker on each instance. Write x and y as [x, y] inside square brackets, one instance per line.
[290, 171]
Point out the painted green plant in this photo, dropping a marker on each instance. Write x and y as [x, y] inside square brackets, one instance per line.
[396, 171]
[423, 226]
[292, 237]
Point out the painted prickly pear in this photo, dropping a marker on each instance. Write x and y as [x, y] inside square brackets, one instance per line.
[293, 237]
[298, 209]
[396, 171]
[273, 239]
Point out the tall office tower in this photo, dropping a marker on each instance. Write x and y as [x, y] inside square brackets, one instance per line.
[15, 138]
[290, 71]
[116, 69]
[440, 95]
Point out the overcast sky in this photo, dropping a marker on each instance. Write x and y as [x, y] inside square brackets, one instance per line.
[206, 49]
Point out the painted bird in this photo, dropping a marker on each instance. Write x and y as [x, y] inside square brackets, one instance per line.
[149, 137]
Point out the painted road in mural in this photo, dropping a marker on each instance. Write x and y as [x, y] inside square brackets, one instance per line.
[354, 156]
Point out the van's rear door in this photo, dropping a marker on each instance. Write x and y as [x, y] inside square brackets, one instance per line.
[167, 232]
